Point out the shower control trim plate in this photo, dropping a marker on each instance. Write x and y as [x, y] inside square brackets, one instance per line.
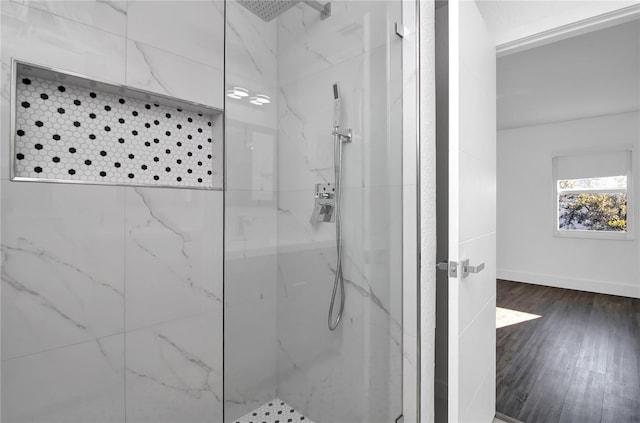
[325, 204]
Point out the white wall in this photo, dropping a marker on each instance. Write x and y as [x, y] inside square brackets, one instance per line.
[527, 250]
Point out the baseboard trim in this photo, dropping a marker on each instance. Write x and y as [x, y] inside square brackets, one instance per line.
[506, 419]
[570, 283]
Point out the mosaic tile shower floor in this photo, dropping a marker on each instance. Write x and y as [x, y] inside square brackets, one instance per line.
[275, 411]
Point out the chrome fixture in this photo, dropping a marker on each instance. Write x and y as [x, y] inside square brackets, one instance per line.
[325, 204]
[267, 10]
[340, 136]
[467, 269]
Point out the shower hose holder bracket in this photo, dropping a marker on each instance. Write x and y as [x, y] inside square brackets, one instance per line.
[344, 134]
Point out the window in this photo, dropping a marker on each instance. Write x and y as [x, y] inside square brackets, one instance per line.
[593, 204]
[591, 195]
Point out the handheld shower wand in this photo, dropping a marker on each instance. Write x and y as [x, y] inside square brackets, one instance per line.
[339, 137]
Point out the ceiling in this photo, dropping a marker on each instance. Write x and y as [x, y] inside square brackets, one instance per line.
[510, 20]
[588, 75]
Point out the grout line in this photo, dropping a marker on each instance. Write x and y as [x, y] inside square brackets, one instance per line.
[62, 347]
[40, 10]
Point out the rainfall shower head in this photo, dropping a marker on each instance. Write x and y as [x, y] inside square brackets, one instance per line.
[267, 10]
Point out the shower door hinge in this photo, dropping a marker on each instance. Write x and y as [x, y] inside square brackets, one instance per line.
[401, 31]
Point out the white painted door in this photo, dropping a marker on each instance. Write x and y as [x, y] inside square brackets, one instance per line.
[472, 215]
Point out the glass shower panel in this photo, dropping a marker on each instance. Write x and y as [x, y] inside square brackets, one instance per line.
[280, 266]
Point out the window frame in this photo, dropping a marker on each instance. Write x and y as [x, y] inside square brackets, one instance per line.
[628, 235]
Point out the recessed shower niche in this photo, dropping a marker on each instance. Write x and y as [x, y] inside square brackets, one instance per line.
[68, 128]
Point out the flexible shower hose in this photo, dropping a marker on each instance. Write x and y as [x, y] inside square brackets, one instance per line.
[339, 280]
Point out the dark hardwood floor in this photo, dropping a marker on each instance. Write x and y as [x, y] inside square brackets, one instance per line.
[579, 362]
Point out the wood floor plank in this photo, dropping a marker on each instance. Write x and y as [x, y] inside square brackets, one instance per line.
[623, 364]
[595, 346]
[585, 398]
[578, 362]
[620, 410]
[547, 397]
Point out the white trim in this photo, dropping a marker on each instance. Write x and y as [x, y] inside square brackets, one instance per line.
[453, 377]
[586, 234]
[573, 29]
[411, 288]
[557, 281]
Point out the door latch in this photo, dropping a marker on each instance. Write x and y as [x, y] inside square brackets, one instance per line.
[451, 266]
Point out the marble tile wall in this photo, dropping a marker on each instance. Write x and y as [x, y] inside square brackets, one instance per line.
[354, 373]
[250, 215]
[112, 296]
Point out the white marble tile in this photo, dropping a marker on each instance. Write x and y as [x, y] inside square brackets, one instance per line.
[250, 221]
[174, 370]
[156, 70]
[307, 45]
[250, 278]
[106, 15]
[321, 372]
[173, 254]
[251, 130]
[250, 356]
[192, 29]
[36, 36]
[39, 37]
[305, 119]
[366, 231]
[295, 231]
[367, 386]
[62, 270]
[379, 256]
[251, 145]
[81, 383]
[305, 269]
[251, 45]
[352, 374]
[250, 246]
[309, 355]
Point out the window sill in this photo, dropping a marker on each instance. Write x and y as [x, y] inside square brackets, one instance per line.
[615, 236]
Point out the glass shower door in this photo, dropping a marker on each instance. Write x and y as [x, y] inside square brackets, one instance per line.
[280, 262]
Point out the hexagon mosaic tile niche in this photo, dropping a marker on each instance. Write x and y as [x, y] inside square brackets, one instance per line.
[68, 132]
